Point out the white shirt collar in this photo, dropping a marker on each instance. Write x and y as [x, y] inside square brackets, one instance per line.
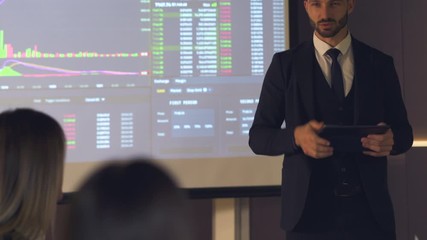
[322, 47]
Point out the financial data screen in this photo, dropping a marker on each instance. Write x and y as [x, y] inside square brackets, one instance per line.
[170, 79]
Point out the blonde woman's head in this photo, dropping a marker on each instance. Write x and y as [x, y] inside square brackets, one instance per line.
[32, 152]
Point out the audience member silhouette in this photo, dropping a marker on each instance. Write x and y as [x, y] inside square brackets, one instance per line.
[32, 153]
[133, 200]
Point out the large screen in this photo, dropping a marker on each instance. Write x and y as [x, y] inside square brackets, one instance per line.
[177, 81]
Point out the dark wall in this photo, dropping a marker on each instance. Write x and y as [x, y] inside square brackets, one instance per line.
[414, 59]
[417, 194]
[380, 25]
[265, 219]
[414, 36]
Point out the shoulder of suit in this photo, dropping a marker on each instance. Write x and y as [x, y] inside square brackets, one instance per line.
[300, 48]
[361, 46]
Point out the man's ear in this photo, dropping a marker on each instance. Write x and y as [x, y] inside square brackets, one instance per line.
[350, 5]
[305, 4]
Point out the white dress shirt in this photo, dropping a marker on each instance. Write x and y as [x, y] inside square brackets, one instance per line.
[345, 59]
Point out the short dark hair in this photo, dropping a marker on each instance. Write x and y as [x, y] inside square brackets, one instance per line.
[133, 200]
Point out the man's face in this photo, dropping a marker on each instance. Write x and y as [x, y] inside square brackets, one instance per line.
[328, 17]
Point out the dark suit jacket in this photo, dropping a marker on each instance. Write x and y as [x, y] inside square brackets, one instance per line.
[287, 95]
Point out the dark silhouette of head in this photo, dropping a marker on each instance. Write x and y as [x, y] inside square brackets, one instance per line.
[136, 199]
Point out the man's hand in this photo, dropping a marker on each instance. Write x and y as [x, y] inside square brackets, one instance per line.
[306, 137]
[379, 144]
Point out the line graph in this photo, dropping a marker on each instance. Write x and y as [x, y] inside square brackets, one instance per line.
[12, 62]
[7, 70]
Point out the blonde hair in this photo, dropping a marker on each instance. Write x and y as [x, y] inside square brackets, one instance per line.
[32, 153]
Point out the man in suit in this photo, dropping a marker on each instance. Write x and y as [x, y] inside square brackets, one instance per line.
[328, 193]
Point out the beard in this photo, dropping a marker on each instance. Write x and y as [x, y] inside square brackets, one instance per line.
[330, 32]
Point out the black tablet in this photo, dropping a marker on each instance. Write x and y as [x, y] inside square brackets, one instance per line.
[347, 138]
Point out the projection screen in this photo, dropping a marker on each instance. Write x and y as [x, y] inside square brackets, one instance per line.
[175, 81]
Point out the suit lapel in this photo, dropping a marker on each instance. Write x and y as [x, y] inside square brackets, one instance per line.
[305, 60]
[362, 78]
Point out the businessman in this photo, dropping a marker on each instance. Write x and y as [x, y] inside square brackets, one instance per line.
[334, 79]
